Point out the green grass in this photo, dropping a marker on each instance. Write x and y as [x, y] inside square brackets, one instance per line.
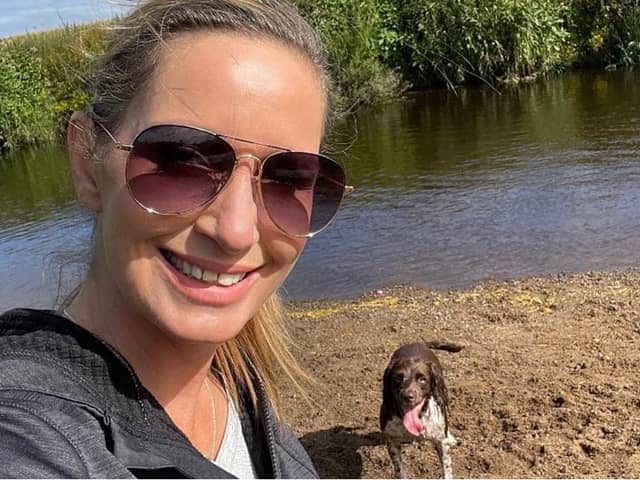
[43, 78]
[377, 48]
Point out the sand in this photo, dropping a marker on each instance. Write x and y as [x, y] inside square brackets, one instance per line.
[546, 386]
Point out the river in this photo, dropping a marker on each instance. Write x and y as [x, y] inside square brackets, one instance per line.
[451, 188]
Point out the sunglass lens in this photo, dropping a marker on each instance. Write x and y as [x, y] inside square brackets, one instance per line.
[174, 169]
[302, 191]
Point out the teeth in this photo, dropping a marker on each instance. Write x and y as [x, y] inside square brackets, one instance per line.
[199, 273]
[209, 277]
[196, 272]
[228, 279]
[186, 268]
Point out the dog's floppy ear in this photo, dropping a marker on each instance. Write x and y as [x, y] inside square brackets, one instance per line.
[388, 405]
[387, 385]
[438, 388]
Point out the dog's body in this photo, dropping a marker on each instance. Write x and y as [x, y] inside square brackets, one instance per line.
[415, 403]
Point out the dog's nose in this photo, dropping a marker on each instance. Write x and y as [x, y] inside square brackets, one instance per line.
[409, 396]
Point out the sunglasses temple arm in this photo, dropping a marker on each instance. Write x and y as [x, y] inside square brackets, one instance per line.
[119, 146]
[347, 188]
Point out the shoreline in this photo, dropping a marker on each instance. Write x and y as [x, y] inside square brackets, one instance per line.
[545, 386]
[485, 283]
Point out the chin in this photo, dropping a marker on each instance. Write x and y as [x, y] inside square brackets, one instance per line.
[202, 324]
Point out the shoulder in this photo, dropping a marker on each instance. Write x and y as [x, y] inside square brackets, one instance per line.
[47, 353]
[44, 436]
[274, 448]
[293, 458]
[39, 353]
[52, 423]
[34, 445]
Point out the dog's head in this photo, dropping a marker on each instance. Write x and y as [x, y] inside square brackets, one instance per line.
[413, 376]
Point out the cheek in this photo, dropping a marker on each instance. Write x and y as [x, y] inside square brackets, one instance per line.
[125, 226]
[282, 250]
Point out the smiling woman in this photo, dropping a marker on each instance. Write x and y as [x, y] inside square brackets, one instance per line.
[199, 156]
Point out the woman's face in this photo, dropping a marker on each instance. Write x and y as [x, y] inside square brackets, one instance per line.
[249, 88]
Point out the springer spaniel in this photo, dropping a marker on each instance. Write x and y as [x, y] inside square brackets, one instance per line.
[415, 403]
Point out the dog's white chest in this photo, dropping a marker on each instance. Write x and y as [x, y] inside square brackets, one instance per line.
[435, 426]
[432, 419]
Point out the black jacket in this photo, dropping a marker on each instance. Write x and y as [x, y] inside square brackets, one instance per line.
[71, 406]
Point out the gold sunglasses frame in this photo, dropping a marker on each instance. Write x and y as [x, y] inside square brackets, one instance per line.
[256, 176]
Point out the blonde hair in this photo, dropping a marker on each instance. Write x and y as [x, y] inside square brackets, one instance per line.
[137, 42]
[263, 348]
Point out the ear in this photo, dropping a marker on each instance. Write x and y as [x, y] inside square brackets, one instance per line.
[438, 388]
[84, 171]
[388, 396]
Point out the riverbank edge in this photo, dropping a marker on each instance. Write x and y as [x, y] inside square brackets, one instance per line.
[377, 50]
[387, 296]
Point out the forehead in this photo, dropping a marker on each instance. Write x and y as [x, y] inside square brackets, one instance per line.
[411, 365]
[249, 87]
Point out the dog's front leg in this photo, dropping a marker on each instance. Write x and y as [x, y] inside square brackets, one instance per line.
[445, 459]
[395, 452]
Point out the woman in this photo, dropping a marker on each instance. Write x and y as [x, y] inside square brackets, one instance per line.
[164, 362]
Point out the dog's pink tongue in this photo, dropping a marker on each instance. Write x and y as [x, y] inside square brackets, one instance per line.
[411, 420]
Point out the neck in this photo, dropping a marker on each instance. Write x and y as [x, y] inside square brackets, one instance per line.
[173, 371]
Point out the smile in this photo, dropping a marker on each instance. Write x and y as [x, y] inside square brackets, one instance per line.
[202, 274]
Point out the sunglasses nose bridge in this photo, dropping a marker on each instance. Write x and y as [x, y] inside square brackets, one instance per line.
[254, 162]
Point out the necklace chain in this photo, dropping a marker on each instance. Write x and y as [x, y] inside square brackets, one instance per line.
[213, 417]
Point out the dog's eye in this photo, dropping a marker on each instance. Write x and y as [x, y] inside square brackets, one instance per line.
[421, 380]
[398, 378]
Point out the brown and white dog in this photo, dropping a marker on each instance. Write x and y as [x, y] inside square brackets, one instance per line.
[415, 403]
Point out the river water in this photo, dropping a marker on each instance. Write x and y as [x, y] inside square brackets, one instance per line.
[451, 188]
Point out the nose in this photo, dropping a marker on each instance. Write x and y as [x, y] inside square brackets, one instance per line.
[409, 395]
[232, 218]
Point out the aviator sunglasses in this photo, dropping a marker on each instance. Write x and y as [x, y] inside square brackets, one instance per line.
[177, 169]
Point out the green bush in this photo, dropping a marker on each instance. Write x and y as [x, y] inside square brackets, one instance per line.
[357, 35]
[43, 77]
[376, 49]
[26, 105]
[605, 31]
[483, 40]
[67, 56]
[378, 46]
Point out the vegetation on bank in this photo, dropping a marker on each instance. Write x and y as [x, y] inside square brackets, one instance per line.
[43, 77]
[378, 49]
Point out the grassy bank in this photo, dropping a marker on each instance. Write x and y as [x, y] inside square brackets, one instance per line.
[378, 49]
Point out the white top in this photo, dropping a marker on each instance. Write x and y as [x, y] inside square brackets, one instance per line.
[233, 455]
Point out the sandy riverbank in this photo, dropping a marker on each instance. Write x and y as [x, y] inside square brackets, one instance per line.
[547, 385]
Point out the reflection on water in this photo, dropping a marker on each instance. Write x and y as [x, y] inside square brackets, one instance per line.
[42, 230]
[450, 189]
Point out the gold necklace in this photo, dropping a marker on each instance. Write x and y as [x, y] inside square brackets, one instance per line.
[213, 417]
